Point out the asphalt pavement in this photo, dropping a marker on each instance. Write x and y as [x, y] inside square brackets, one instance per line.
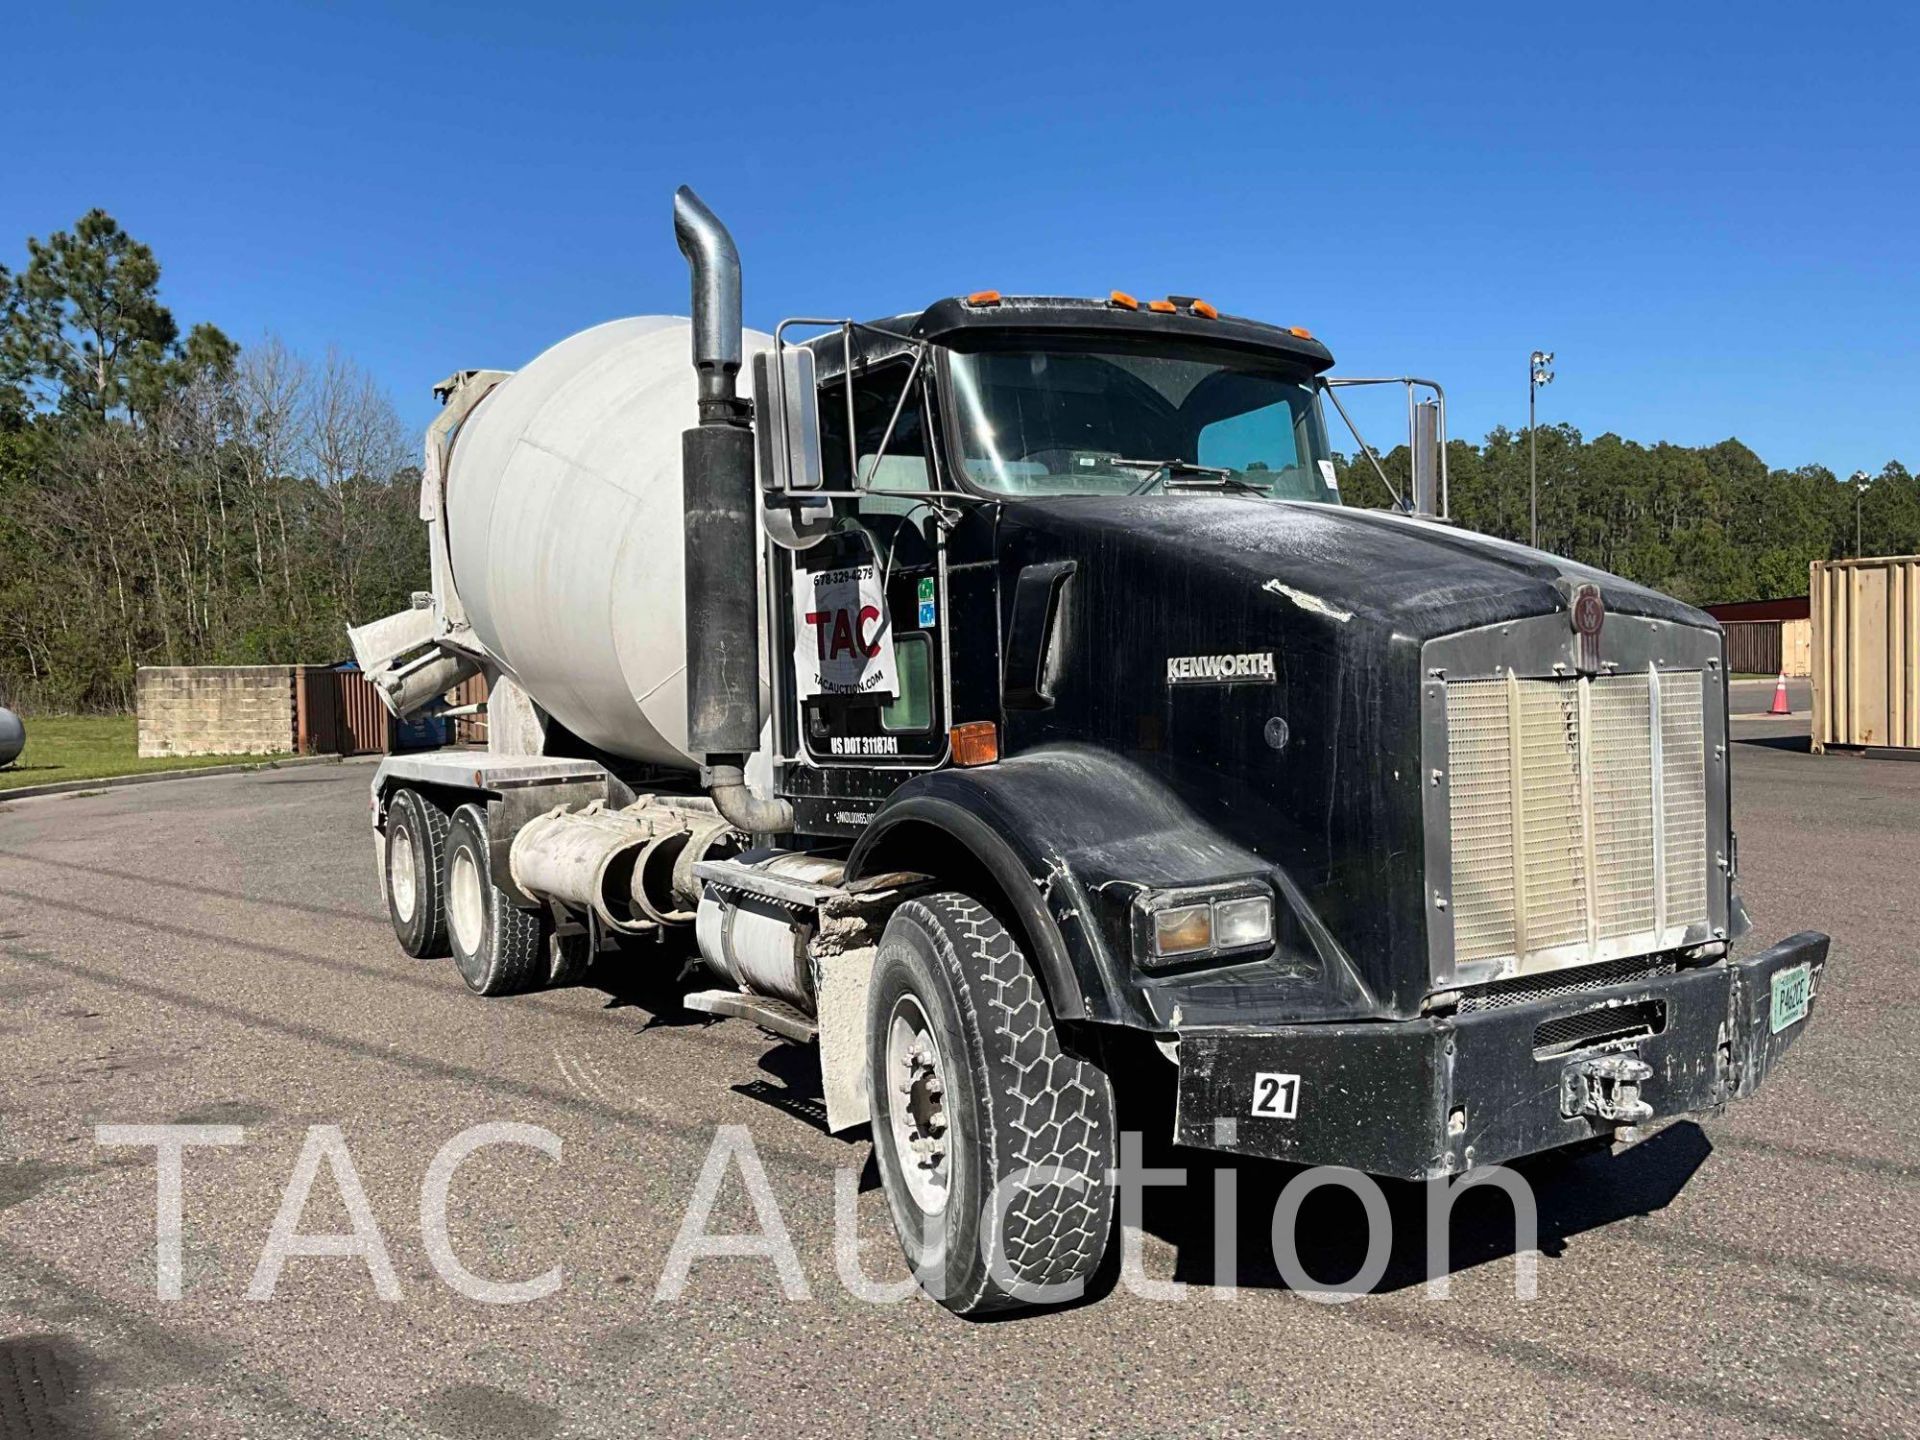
[1755, 697]
[215, 952]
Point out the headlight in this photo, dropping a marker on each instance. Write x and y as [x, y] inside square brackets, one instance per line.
[1239, 923]
[1187, 925]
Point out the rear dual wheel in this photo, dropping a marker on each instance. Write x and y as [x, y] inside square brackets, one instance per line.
[498, 948]
[441, 898]
[415, 863]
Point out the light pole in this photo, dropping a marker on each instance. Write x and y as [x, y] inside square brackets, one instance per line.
[1537, 375]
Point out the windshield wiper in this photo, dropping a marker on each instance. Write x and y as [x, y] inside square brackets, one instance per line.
[1185, 475]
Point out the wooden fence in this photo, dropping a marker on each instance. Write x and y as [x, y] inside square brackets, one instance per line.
[1753, 647]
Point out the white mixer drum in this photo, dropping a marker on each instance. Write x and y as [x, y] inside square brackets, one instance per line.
[563, 514]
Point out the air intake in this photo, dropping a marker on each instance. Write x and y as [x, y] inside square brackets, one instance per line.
[1594, 1029]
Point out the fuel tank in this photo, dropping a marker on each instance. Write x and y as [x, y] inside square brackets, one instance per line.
[563, 516]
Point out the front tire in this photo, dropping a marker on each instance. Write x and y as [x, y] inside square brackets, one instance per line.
[415, 858]
[974, 1100]
[498, 948]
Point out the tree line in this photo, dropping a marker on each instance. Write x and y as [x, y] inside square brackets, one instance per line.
[173, 499]
[1704, 523]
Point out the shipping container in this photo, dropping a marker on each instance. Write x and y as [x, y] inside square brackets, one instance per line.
[1866, 652]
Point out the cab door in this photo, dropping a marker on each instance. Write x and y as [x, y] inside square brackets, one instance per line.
[859, 740]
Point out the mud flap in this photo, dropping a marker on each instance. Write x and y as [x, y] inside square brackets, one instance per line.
[840, 983]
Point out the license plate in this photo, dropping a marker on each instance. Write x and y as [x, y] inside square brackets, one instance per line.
[1790, 993]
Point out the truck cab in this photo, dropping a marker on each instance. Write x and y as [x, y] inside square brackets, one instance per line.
[939, 433]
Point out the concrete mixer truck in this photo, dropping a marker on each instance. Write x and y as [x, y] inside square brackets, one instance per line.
[1000, 698]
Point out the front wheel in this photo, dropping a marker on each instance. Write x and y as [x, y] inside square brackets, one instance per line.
[498, 948]
[994, 1144]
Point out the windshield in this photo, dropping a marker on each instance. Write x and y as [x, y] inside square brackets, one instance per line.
[1084, 422]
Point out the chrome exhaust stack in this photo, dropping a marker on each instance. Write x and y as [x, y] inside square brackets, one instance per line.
[722, 540]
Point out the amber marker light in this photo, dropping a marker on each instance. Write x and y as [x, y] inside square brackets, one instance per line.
[975, 743]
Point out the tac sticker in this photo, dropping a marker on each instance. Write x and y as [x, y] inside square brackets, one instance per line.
[1326, 474]
[843, 642]
[1276, 1097]
[926, 614]
[925, 592]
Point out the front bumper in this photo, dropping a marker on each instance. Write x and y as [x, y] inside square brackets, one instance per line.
[1437, 1096]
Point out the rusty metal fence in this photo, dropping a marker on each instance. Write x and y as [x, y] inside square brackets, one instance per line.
[338, 712]
[470, 729]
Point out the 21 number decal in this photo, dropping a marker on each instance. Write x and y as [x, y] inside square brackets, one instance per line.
[1276, 1097]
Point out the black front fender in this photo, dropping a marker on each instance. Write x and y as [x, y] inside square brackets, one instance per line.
[1071, 835]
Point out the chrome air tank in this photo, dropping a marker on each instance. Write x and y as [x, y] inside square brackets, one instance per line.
[563, 508]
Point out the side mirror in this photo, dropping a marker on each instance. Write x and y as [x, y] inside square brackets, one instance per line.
[786, 420]
[786, 431]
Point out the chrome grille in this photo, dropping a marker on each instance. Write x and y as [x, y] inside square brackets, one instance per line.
[1579, 829]
[1684, 778]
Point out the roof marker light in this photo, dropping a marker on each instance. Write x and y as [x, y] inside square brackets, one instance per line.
[1300, 332]
[1123, 300]
[1162, 307]
[1203, 309]
[984, 297]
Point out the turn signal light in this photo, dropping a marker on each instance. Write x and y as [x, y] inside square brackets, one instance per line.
[984, 297]
[975, 743]
[1186, 931]
[1123, 300]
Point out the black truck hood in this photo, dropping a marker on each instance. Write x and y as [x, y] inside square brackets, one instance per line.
[1308, 760]
[1420, 577]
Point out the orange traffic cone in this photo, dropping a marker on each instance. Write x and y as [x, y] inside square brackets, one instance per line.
[1780, 706]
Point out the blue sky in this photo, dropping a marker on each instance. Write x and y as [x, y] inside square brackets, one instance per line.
[1711, 214]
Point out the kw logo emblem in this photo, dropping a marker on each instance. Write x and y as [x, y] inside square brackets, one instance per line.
[1588, 613]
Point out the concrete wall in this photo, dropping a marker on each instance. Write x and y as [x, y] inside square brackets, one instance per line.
[215, 709]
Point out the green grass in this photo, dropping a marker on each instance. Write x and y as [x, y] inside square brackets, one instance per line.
[92, 747]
